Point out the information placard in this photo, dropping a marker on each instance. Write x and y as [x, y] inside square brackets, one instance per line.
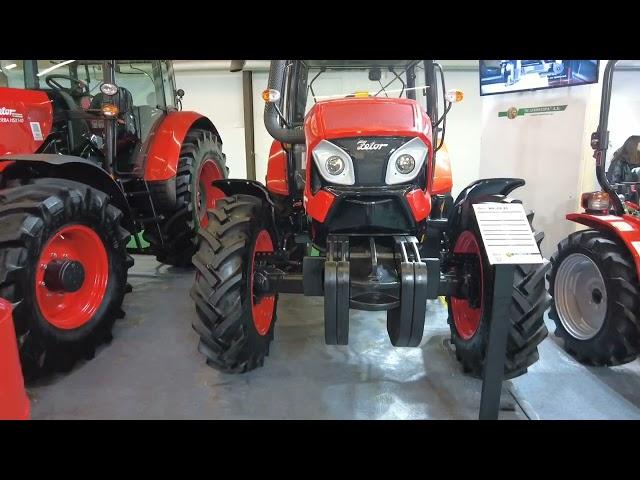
[506, 233]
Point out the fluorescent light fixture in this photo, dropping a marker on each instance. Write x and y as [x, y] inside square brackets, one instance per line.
[58, 65]
[9, 67]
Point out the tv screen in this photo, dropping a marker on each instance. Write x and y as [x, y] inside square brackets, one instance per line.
[506, 76]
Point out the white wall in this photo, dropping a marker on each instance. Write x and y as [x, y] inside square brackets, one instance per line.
[545, 150]
[463, 129]
[218, 95]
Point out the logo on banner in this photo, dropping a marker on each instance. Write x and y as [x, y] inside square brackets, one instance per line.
[515, 112]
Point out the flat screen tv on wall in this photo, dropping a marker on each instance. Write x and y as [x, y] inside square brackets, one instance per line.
[506, 76]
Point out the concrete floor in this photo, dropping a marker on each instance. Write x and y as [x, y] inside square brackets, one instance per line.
[152, 371]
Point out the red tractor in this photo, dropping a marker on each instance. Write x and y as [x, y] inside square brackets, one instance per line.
[355, 209]
[93, 152]
[595, 279]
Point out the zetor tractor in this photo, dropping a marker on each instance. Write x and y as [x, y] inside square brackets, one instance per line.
[352, 210]
[595, 279]
[91, 153]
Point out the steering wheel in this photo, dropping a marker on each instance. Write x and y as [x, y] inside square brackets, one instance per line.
[78, 87]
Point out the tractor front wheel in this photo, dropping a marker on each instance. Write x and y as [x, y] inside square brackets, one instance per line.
[63, 263]
[234, 322]
[470, 321]
[596, 299]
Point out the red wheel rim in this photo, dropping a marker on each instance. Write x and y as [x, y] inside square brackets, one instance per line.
[70, 310]
[263, 308]
[467, 319]
[207, 195]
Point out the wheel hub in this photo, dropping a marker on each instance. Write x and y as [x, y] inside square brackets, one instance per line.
[581, 296]
[64, 276]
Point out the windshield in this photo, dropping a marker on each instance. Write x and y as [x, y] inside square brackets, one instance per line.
[387, 82]
[143, 78]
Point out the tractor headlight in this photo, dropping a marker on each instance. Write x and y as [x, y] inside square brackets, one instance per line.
[109, 89]
[405, 163]
[333, 163]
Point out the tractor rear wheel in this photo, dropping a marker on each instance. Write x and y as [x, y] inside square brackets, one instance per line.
[63, 263]
[201, 162]
[596, 299]
[470, 324]
[234, 323]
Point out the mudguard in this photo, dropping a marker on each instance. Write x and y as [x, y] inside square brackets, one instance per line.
[625, 227]
[485, 190]
[165, 142]
[70, 168]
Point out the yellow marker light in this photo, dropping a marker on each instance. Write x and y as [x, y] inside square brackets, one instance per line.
[361, 94]
[454, 96]
[110, 110]
[270, 95]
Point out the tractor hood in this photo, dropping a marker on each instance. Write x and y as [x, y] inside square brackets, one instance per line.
[366, 117]
[25, 120]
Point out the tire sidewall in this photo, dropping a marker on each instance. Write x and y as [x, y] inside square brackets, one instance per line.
[474, 346]
[115, 285]
[209, 151]
[608, 328]
[263, 216]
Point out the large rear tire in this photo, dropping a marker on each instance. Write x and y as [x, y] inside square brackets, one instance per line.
[596, 299]
[470, 324]
[54, 225]
[201, 161]
[235, 328]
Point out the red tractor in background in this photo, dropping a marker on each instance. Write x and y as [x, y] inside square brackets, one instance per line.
[92, 152]
[355, 174]
[595, 279]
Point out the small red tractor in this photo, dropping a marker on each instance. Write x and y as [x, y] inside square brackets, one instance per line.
[595, 278]
[92, 152]
[355, 209]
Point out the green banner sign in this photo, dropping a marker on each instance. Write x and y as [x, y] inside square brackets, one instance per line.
[514, 112]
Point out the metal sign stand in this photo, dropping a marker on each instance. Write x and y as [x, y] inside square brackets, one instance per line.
[493, 373]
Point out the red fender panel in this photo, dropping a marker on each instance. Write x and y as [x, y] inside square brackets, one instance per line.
[25, 120]
[165, 144]
[626, 228]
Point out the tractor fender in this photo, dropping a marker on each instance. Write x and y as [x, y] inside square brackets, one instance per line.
[254, 188]
[70, 168]
[625, 227]
[165, 142]
[485, 190]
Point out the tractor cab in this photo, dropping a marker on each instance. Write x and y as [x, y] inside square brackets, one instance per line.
[91, 97]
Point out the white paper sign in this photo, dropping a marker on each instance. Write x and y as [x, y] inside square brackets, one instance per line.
[506, 233]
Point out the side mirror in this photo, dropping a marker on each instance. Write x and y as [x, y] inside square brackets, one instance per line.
[179, 95]
[237, 65]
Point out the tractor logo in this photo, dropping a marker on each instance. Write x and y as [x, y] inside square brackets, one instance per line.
[364, 145]
[9, 115]
[512, 113]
